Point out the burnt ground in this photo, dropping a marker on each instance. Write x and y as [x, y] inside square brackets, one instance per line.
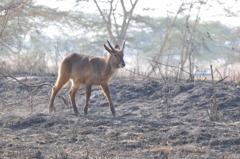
[154, 120]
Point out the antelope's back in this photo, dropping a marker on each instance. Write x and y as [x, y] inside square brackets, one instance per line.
[84, 68]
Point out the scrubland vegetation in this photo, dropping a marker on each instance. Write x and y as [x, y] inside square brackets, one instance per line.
[178, 97]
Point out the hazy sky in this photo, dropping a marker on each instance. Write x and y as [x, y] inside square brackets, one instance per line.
[161, 7]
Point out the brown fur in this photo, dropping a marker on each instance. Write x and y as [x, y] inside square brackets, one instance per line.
[87, 70]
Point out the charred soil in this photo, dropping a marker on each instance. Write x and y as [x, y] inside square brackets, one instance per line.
[154, 120]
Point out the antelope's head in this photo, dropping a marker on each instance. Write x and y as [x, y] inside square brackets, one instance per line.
[117, 55]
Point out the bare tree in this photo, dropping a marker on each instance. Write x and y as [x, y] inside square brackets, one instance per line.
[189, 45]
[8, 9]
[117, 33]
[10, 29]
[166, 37]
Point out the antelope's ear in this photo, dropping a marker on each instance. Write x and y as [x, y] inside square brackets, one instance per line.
[117, 47]
[108, 49]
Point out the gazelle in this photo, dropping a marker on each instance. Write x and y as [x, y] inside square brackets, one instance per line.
[88, 70]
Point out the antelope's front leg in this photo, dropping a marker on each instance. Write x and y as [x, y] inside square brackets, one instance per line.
[106, 91]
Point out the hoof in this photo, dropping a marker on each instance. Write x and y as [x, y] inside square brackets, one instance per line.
[85, 111]
[52, 109]
[76, 112]
[114, 113]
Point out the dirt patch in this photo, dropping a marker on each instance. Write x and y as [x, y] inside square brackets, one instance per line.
[145, 126]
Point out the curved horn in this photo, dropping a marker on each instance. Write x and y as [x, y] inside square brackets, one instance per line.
[123, 45]
[110, 46]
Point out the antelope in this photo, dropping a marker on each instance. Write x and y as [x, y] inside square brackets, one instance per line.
[88, 70]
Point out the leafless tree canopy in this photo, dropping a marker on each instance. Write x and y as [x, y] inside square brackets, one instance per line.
[116, 31]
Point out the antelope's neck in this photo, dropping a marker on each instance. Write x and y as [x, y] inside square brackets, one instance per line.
[109, 70]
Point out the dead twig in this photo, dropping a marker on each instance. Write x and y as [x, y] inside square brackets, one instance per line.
[219, 73]
[64, 100]
[10, 105]
[133, 72]
[169, 66]
[213, 107]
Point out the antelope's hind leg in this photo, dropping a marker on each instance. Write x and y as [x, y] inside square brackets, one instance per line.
[72, 94]
[88, 95]
[58, 85]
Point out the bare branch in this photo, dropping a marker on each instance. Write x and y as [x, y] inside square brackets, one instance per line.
[110, 12]
[25, 84]
[108, 20]
[36, 87]
[219, 73]
[213, 111]
[99, 9]
[12, 6]
[115, 21]
[123, 6]
[169, 29]
[5, 21]
[133, 72]
[222, 79]
[131, 2]
[158, 63]
[127, 17]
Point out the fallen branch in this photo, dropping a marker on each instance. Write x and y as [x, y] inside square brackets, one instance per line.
[36, 87]
[20, 82]
[221, 80]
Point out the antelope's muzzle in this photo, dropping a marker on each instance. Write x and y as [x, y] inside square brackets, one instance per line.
[122, 64]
